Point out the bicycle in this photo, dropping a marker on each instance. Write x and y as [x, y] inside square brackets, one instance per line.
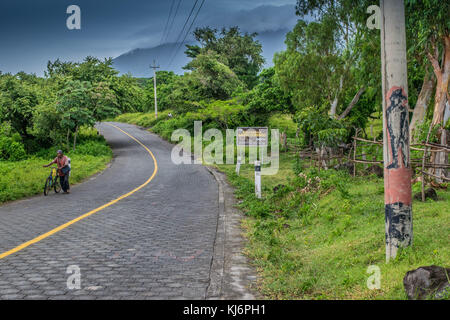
[52, 182]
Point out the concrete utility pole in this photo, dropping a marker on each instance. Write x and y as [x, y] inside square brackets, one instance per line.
[397, 168]
[154, 67]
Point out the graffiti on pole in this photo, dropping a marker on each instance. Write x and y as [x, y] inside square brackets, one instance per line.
[398, 135]
[398, 213]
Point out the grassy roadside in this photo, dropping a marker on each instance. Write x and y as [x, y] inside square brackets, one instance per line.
[24, 178]
[316, 240]
[315, 237]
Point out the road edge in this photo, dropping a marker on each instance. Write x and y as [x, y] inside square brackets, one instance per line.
[231, 277]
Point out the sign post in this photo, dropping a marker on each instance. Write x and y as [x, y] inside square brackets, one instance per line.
[258, 179]
[253, 137]
[238, 164]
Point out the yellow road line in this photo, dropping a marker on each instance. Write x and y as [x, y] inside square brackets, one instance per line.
[65, 225]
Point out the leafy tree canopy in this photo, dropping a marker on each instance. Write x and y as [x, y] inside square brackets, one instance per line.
[240, 52]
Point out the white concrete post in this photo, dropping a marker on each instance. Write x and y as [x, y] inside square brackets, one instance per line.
[258, 179]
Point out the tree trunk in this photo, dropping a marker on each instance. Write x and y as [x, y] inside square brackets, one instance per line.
[442, 73]
[352, 103]
[422, 103]
[442, 79]
[75, 138]
[284, 141]
[336, 100]
[442, 157]
[67, 138]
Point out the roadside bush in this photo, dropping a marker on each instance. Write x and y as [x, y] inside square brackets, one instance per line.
[284, 123]
[92, 148]
[11, 148]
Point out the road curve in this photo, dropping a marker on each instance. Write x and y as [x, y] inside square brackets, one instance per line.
[156, 243]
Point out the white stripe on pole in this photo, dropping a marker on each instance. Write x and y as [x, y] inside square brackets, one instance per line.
[258, 179]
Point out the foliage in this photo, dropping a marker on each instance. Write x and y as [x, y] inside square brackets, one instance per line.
[427, 22]
[166, 84]
[11, 148]
[129, 94]
[74, 105]
[266, 98]
[284, 123]
[319, 129]
[17, 100]
[240, 52]
[91, 69]
[421, 132]
[310, 68]
[212, 78]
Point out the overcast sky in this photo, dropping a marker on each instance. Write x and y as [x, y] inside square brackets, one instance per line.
[34, 31]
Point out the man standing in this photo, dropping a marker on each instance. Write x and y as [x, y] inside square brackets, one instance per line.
[63, 170]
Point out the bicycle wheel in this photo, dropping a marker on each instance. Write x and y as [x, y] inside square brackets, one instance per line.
[48, 186]
[57, 185]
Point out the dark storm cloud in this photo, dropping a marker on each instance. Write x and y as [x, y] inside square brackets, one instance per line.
[33, 32]
[260, 19]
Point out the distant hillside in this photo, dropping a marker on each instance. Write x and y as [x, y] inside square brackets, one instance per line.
[137, 61]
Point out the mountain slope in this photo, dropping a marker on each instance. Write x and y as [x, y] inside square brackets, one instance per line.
[138, 61]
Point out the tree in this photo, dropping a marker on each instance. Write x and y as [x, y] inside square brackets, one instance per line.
[311, 67]
[73, 105]
[428, 22]
[17, 101]
[240, 52]
[266, 98]
[429, 25]
[212, 78]
[129, 94]
[103, 102]
[90, 69]
[164, 86]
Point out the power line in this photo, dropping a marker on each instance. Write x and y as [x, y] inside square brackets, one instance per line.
[167, 22]
[184, 27]
[187, 33]
[173, 20]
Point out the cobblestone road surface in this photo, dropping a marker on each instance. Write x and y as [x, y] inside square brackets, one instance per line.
[155, 244]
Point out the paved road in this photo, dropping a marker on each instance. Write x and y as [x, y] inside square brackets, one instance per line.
[154, 244]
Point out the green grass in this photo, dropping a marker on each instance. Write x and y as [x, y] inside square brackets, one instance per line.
[319, 245]
[24, 178]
